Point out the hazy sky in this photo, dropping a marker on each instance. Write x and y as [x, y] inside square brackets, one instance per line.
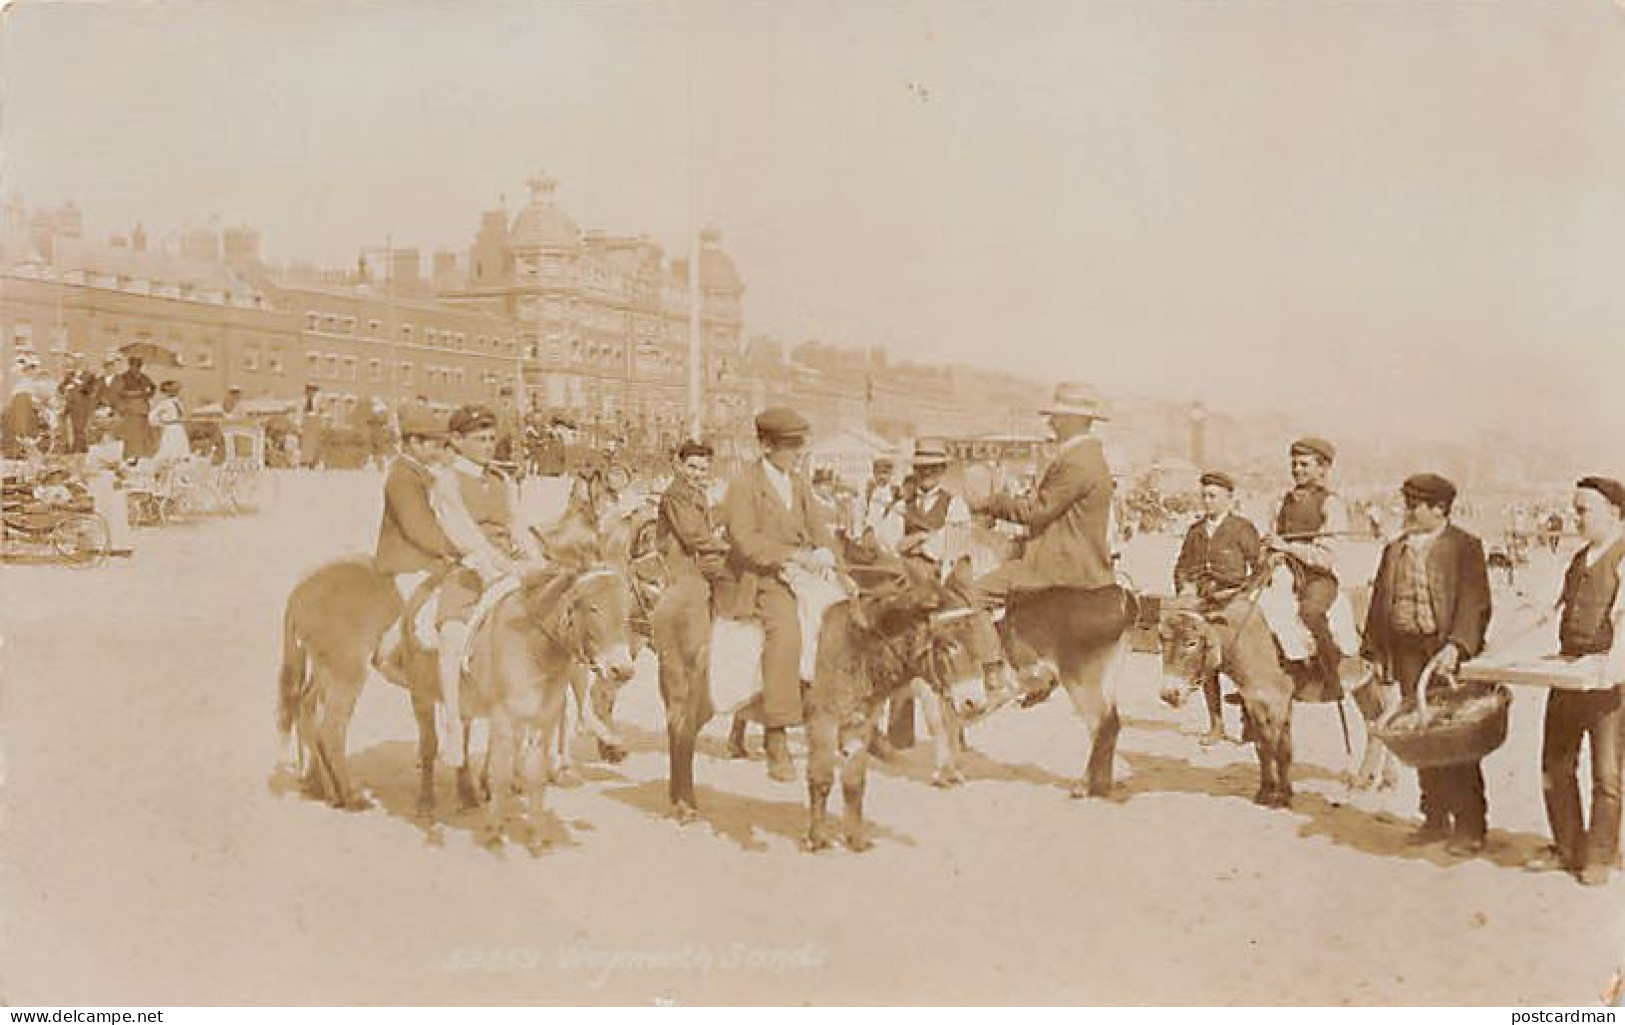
[1411, 214]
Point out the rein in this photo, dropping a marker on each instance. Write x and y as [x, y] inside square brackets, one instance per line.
[576, 645]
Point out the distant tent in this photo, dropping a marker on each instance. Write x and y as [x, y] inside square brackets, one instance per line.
[850, 454]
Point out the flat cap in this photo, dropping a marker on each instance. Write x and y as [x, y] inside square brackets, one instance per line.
[1219, 478]
[1430, 488]
[468, 419]
[1316, 447]
[422, 423]
[692, 448]
[781, 422]
[1608, 488]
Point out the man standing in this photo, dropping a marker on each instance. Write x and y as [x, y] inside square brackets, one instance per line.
[1221, 552]
[1311, 515]
[78, 389]
[311, 428]
[774, 523]
[132, 395]
[1430, 608]
[1591, 627]
[1067, 518]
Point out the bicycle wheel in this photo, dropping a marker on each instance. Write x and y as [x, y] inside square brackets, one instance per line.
[81, 540]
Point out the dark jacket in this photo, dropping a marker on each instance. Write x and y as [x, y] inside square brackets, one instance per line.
[684, 531]
[1222, 562]
[410, 538]
[1066, 518]
[1458, 582]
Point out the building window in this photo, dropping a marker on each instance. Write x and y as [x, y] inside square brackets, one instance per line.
[404, 372]
[205, 357]
[406, 332]
[313, 321]
[374, 326]
[349, 368]
[330, 324]
[251, 361]
[375, 370]
[459, 341]
[22, 336]
[332, 362]
[313, 365]
[273, 362]
[349, 325]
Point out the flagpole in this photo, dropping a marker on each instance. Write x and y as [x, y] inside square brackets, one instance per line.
[696, 348]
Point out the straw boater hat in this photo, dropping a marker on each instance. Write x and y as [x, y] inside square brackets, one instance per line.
[930, 452]
[1074, 399]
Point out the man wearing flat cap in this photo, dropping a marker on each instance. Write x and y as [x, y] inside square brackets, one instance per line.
[1311, 516]
[774, 522]
[1221, 552]
[1430, 608]
[1591, 631]
[78, 389]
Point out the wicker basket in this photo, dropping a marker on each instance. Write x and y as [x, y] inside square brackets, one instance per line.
[1463, 728]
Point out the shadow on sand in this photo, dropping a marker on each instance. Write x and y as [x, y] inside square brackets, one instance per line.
[388, 774]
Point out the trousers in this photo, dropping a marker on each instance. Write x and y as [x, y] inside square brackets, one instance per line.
[1571, 717]
[1451, 794]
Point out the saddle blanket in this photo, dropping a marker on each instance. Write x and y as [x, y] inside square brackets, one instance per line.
[736, 645]
[1278, 603]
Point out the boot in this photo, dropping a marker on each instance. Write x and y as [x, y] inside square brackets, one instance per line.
[736, 738]
[779, 766]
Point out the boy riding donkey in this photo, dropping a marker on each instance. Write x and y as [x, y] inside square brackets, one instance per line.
[449, 521]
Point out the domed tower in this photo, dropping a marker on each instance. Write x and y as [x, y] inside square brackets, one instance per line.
[543, 239]
[545, 254]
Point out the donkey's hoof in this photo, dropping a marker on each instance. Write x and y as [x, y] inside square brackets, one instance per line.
[857, 841]
[946, 778]
[355, 802]
[1079, 789]
[566, 776]
[1262, 797]
[683, 813]
[815, 841]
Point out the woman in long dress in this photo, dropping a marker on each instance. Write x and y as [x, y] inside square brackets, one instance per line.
[169, 416]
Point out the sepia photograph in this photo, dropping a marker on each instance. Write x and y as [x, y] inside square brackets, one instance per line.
[916, 503]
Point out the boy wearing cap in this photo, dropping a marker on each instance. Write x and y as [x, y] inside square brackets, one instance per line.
[1220, 553]
[477, 503]
[680, 624]
[1310, 516]
[411, 541]
[773, 522]
[1592, 627]
[1430, 608]
[79, 388]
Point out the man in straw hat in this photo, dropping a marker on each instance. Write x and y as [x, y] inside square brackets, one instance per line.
[1309, 520]
[774, 522]
[1430, 609]
[1067, 517]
